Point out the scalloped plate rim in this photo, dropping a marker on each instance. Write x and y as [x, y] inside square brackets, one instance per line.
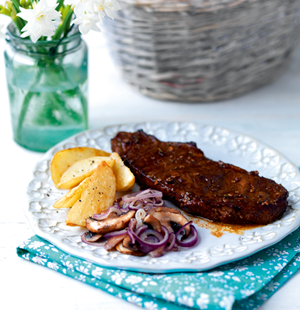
[150, 268]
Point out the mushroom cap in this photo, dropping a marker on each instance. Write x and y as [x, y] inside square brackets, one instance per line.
[109, 224]
[163, 209]
[166, 217]
[153, 221]
[112, 242]
[124, 250]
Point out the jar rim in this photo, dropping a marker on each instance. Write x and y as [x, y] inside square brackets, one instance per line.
[25, 41]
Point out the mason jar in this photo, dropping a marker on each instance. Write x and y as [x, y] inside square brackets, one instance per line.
[48, 88]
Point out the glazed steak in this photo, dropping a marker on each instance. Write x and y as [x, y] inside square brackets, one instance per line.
[198, 185]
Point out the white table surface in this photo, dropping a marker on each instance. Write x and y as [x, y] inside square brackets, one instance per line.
[270, 114]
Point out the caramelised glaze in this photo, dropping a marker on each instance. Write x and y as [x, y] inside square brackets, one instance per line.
[218, 229]
[198, 185]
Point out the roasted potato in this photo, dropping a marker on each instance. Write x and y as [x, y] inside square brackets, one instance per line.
[81, 170]
[98, 195]
[125, 178]
[72, 196]
[64, 159]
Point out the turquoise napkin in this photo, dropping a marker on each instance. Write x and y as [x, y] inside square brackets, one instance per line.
[244, 284]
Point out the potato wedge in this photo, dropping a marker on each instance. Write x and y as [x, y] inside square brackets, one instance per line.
[81, 170]
[72, 196]
[98, 195]
[64, 159]
[125, 178]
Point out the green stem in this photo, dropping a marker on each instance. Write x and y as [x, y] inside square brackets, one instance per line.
[5, 11]
[18, 23]
[68, 23]
[63, 27]
[22, 115]
[60, 4]
[16, 6]
[25, 105]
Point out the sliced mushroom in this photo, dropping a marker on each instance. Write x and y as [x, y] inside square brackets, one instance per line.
[111, 224]
[112, 242]
[163, 209]
[166, 217]
[124, 250]
[153, 221]
[128, 245]
[92, 237]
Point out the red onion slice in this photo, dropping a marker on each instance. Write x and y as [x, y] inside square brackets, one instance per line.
[151, 245]
[131, 227]
[172, 240]
[115, 234]
[190, 241]
[141, 229]
[151, 232]
[112, 209]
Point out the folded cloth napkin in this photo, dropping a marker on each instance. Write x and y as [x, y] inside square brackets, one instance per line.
[244, 284]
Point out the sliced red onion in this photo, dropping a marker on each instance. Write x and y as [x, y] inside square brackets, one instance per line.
[182, 229]
[112, 209]
[151, 232]
[125, 210]
[141, 229]
[131, 227]
[140, 214]
[191, 240]
[172, 240]
[96, 243]
[136, 201]
[115, 234]
[152, 245]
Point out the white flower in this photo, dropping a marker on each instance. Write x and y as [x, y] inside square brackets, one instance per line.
[189, 289]
[151, 305]
[272, 286]
[97, 272]
[185, 300]
[68, 265]
[39, 260]
[216, 273]
[133, 279]
[81, 278]
[135, 300]
[168, 296]
[279, 267]
[53, 265]
[26, 256]
[83, 6]
[2, 35]
[35, 245]
[247, 292]
[83, 270]
[87, 22]
[40, 19]
[110, 6]
[118, 277]
[203, 301]
[227, 302]
[258, 262]
[107, 6]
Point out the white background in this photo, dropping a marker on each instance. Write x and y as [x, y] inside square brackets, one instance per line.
[270, 114]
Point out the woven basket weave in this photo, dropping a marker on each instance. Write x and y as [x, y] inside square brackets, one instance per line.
[203, 50]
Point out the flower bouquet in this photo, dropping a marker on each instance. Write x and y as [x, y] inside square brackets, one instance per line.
[46, 66]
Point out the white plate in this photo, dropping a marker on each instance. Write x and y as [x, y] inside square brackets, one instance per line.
[218, 144]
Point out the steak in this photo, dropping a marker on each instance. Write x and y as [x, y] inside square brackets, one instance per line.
[198, 185]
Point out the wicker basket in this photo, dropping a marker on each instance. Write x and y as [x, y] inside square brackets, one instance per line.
[203, 50]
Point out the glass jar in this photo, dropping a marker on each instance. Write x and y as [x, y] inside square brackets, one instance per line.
[48, 88]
